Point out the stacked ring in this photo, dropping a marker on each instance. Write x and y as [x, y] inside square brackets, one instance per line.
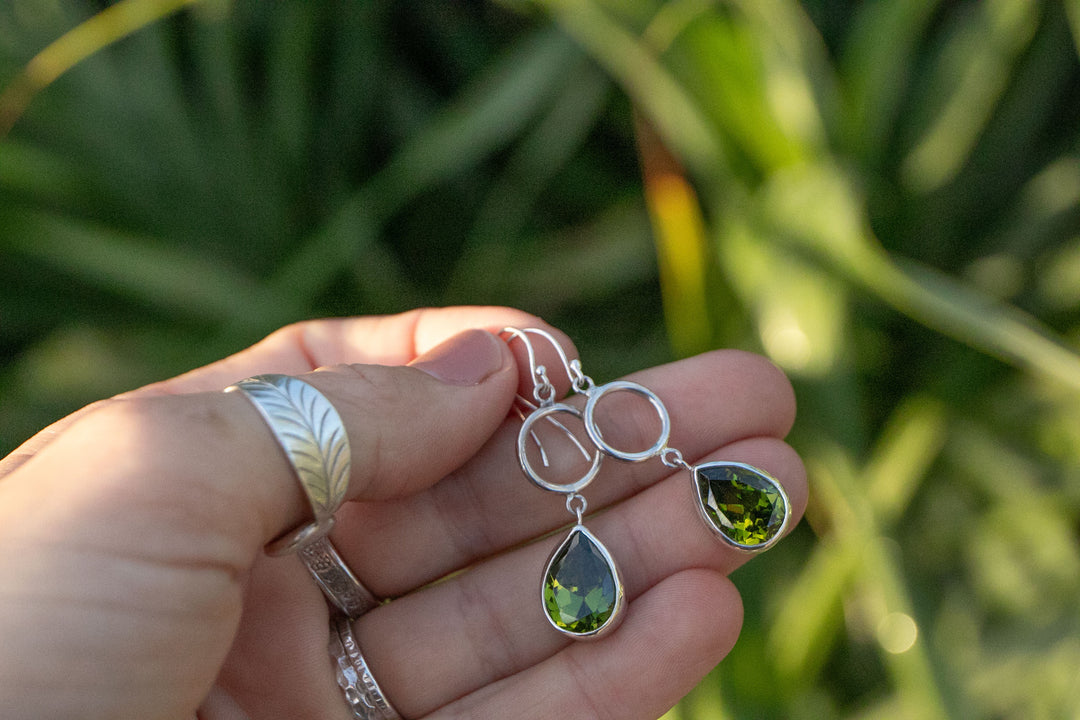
[312, 435]
[362, 693]
[336, 579]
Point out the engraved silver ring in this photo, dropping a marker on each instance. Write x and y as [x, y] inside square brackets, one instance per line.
[362, 693]
[310, 431]
[336, 579]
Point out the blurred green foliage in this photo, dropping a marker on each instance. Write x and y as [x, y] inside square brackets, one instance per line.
[884, 197]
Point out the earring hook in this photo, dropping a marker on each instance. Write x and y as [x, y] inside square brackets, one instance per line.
[581, 382]
[543, 389]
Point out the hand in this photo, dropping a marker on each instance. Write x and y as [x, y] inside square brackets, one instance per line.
[133, 582]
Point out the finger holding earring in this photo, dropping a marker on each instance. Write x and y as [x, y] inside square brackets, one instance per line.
[582, 593]
[449, 639]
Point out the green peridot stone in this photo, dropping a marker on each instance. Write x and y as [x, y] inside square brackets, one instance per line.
[580, 589]
[743, 504]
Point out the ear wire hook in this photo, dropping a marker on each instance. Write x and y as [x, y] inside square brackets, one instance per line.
[581, 382]
[543, 390]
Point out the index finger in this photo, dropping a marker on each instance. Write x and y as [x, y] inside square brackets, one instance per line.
[371, 340]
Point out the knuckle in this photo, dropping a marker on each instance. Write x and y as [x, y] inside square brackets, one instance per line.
[364, 388]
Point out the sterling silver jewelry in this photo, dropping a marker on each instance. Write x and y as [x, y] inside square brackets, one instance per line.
[310, 431]
[742, 505]
[582, 594]
[335, 578]
[362, 693]
[581, 589]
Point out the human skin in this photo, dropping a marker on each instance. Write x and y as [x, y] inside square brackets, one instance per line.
[133, 582]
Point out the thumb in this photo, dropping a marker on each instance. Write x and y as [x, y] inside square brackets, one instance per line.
[408, 426]
[209, 461]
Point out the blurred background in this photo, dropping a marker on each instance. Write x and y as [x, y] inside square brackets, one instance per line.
[883, 197]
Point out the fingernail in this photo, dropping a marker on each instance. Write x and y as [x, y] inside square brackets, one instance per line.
[468, 358]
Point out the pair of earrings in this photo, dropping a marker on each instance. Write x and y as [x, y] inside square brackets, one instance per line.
[581, 590]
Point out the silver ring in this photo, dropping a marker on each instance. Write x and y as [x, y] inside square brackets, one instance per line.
[362, 693]
[310, 431]
[598, 439]
[335, 578]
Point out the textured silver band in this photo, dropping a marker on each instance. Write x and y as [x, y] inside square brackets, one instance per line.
[311, 433]
[362, 693]
[336, 579]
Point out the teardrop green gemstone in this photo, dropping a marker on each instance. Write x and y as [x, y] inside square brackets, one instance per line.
[580, 586]
[743, 504]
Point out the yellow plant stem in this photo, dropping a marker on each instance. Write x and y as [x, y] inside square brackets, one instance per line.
[88, 37]
[681, 245]
[655, 92]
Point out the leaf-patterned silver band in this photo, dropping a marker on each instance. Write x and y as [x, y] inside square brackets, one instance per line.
[362, 693]
[336, 579]
[311, 433]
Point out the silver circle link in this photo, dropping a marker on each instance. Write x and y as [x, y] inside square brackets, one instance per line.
[581, 382]
[581, 507]
[526, 465]
[597, 437]
[544, 392]
[674, 459]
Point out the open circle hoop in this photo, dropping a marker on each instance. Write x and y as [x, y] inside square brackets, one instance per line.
[530, 471]
[598, 439]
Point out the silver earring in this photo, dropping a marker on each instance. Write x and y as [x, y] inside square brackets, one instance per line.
[581, 590]
[743, 505]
